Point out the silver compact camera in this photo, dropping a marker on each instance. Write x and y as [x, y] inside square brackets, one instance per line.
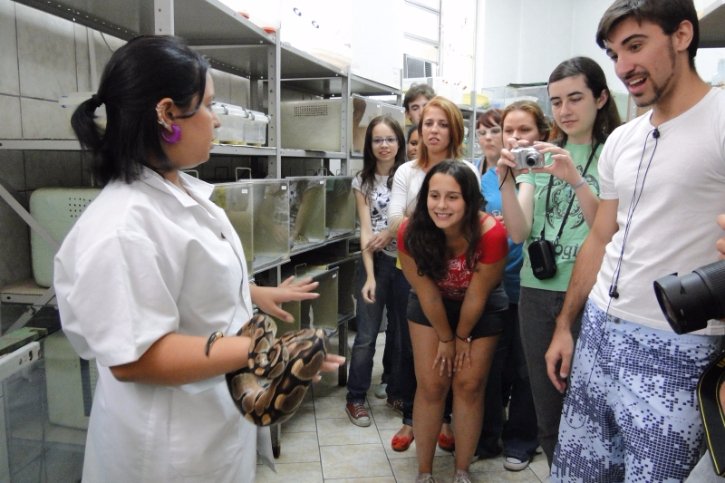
[527, 158]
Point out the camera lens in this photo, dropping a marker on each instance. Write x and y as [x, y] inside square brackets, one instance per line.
[688, 302]
[531, 159]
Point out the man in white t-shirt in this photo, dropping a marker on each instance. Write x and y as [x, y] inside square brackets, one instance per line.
[630, 413]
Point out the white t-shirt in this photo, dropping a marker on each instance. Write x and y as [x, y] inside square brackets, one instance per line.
[378, 203]
[146, 259]
[673, 228]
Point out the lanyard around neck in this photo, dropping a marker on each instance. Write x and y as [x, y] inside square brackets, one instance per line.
[571, 200]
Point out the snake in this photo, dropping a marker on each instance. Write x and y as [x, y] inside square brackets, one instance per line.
[271, 387]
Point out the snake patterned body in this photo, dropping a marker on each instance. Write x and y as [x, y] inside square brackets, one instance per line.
[279, 371]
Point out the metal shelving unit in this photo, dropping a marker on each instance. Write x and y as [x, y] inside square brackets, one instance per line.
[234, 45]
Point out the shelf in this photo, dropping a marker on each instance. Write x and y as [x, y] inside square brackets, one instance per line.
[315, 245]
[73, 145]
[40, 144]
[303, 153]
[297, 64]
[243, 150]
[236, 40]
[24, 292]
[332, 86]
[712, 20]
[128, 18]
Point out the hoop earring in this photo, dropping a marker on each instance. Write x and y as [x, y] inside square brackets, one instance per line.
[172, 137]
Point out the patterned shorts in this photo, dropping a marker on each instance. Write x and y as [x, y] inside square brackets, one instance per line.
[630, 413]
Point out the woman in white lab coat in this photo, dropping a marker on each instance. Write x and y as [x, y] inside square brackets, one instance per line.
[151, 270]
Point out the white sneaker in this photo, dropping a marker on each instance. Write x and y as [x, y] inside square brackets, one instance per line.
[380, 390]
[461, 476]
[425, 478]
[512, 463]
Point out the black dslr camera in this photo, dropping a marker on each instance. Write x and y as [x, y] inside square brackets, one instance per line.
[688, 302]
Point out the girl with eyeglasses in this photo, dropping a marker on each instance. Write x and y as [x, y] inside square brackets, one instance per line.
[380, 284]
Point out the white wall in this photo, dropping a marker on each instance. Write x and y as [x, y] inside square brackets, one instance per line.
[521, 41]
[377, 40]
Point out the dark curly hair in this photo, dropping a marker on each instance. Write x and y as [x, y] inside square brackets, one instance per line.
[425, 242]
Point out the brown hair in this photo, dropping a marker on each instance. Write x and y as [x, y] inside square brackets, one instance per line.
[455, 127]
[542, 124]
[668, 14]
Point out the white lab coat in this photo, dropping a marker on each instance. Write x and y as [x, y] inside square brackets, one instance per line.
[144, 260]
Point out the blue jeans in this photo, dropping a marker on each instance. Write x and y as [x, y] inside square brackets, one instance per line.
[402, 383]
[508, 385]
[389, 293]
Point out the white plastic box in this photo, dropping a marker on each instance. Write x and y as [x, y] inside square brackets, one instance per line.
[70, 382]
[240, 126]
[255, 128]
[232, 119]
[56, 210]
[316, 124]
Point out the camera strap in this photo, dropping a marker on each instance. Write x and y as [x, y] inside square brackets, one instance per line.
[571, 200]
[708, 397]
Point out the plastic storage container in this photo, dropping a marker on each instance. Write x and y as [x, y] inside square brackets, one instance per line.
[271, 221]
[233, 121]
[56, 210]
[259, 212]
[339, 206]
[236, 200]
[255, 128]
[307, 199]
[316, 124]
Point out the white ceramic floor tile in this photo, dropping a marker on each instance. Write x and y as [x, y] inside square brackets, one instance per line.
[299, 448]
[354, 461]
[320, 444]
[337, 432]
[286, 472]
[330, 407]
[378, 479]
[303, 420]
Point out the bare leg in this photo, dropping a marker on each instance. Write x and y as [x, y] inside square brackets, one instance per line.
[430, 396]
[468, 394]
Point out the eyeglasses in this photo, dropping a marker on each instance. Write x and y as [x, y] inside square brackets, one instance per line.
[388, 140]
[494, 131]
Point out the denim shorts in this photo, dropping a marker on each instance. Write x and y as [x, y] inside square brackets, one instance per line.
[490, 323]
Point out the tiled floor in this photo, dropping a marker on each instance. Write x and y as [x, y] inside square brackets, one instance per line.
[320, 444]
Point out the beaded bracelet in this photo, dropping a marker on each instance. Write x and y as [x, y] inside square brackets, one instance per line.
[465, 339]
